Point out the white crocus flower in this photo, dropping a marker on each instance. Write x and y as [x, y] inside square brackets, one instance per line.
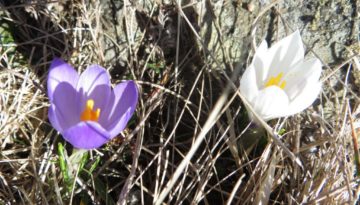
[279, 82]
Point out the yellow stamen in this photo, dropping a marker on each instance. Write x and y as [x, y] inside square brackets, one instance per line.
[88, 114]
[276, 81]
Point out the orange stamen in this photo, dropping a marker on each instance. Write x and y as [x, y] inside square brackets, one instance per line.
[88, 114]
[276, 81]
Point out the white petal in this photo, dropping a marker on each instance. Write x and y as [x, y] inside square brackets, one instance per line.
[305, 98]
[261, 63]
[271, 102]
[262, 49]
[285, 54]
[248, 85]
[304, 73]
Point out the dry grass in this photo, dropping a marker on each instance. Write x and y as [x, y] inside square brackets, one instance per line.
[191, 141]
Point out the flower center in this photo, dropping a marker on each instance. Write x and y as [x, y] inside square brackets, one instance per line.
[276, 81]
[89, 114]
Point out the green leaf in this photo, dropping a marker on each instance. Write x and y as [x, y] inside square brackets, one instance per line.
[64, 167]
[94, 165]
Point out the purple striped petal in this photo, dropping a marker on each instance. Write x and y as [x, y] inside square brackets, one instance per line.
[86, 135]
[60, 72]
[120, 108]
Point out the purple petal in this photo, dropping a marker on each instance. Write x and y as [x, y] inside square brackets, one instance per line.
[65, 106]
[94, 83]
[60, 72]
[86, 135]
[54, 119]
[101, 95]
[120, 108]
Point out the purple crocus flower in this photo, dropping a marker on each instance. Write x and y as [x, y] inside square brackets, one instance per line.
[85, 109]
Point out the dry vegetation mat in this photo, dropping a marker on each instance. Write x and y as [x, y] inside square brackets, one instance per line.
[192, 138]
